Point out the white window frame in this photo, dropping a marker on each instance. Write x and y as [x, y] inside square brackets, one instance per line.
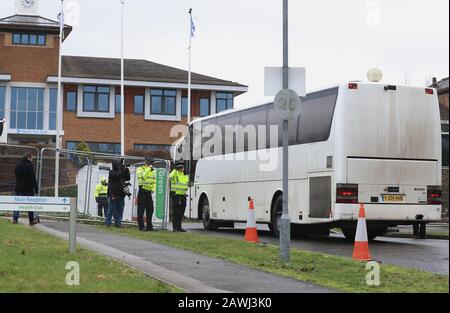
[157, 117]
[104, 115]
[46, 87]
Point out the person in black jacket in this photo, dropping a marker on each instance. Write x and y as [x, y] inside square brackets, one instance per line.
[26, 184]
[117, 191]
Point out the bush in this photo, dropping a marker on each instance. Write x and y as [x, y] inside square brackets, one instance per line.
[83, 147]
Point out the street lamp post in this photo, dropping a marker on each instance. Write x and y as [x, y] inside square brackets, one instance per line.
[285, 227]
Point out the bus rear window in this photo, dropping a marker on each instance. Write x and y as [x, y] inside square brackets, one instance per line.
[316, 116]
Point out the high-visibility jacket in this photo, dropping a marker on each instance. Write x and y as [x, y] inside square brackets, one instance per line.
[179, 182]
[146, 178]
[101, 191]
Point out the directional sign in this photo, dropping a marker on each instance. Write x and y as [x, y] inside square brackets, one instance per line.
[273, 80]
[34, 204]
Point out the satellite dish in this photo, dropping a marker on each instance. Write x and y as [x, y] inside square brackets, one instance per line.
[374, 75]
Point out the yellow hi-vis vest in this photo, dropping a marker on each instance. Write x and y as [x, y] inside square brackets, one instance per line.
[101, 191]
[179, 183]
[146, 178]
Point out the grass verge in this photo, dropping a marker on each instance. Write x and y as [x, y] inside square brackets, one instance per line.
[31, 261]
[330, 271]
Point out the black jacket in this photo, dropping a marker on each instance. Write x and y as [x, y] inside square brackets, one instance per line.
[117, 180]
[26, 183]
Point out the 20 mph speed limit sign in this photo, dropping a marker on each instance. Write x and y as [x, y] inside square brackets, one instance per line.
[287, 104]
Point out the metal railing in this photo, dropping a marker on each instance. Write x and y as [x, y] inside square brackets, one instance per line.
[84, 163]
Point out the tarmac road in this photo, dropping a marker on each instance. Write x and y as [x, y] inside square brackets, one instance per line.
[430, 255]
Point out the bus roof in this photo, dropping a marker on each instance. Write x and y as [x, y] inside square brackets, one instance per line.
[235, 110]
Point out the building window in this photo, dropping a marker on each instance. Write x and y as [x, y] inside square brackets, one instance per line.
[52, 108]
[29, 39]
[71, 101]
[96, 99]
[99, 147]
[138, 104]
[204, 107]
[2, 102]
[184, 106]
[152, 147]
[71, 145]
[27, 108]
[163, 102]
[224, 101]
[118, 103]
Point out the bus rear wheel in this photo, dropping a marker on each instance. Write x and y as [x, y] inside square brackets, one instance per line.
[275, 220]
[208, 224]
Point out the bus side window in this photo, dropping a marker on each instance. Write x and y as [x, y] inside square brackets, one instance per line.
[208, 134]
[274, 120]
[228, 142]
[250, 120]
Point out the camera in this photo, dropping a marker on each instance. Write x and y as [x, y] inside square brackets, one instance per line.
[126, 189]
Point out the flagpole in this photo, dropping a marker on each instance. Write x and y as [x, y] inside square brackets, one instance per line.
[189, 95]
[189, 69]
[59, 102]
[122, 83]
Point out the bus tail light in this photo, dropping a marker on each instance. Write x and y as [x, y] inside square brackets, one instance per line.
[429, 91]
[434, 194]
[352, 86]
[347, 193]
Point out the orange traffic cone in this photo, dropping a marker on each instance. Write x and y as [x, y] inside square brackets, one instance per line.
[361, 250]
[251, 233]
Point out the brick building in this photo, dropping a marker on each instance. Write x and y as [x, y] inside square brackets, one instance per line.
[155, 94]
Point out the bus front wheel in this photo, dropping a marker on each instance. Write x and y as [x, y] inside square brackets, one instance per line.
[208, 224]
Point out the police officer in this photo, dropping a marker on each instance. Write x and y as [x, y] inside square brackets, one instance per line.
[147, 185]
[101, 197]
[179, 187]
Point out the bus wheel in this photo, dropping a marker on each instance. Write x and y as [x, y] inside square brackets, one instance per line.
[208, 224]
[349, 233]
[275, 219]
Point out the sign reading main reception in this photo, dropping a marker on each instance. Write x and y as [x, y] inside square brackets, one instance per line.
[35, 204]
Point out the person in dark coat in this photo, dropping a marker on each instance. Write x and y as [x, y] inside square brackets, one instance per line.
[26, 184]
[119, 177]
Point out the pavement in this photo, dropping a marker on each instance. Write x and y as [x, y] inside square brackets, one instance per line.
[431, 255]
[184, 269]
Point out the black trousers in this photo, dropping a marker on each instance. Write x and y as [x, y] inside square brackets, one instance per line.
[179, 206]
[102, 207]
[145, 204]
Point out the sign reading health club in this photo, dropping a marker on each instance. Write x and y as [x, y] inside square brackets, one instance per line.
[35, 204]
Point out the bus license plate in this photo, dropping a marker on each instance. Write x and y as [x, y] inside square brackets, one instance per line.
[393, 198]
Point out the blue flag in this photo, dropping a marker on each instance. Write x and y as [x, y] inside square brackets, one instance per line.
[192, 27]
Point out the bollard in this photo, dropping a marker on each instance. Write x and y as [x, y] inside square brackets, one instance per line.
[72, 226]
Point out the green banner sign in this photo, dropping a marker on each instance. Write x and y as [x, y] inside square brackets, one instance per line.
[161, 189]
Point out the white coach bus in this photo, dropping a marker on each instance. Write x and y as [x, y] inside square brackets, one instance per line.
[355, 143]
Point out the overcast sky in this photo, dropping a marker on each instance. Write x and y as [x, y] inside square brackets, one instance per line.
[235, 39]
